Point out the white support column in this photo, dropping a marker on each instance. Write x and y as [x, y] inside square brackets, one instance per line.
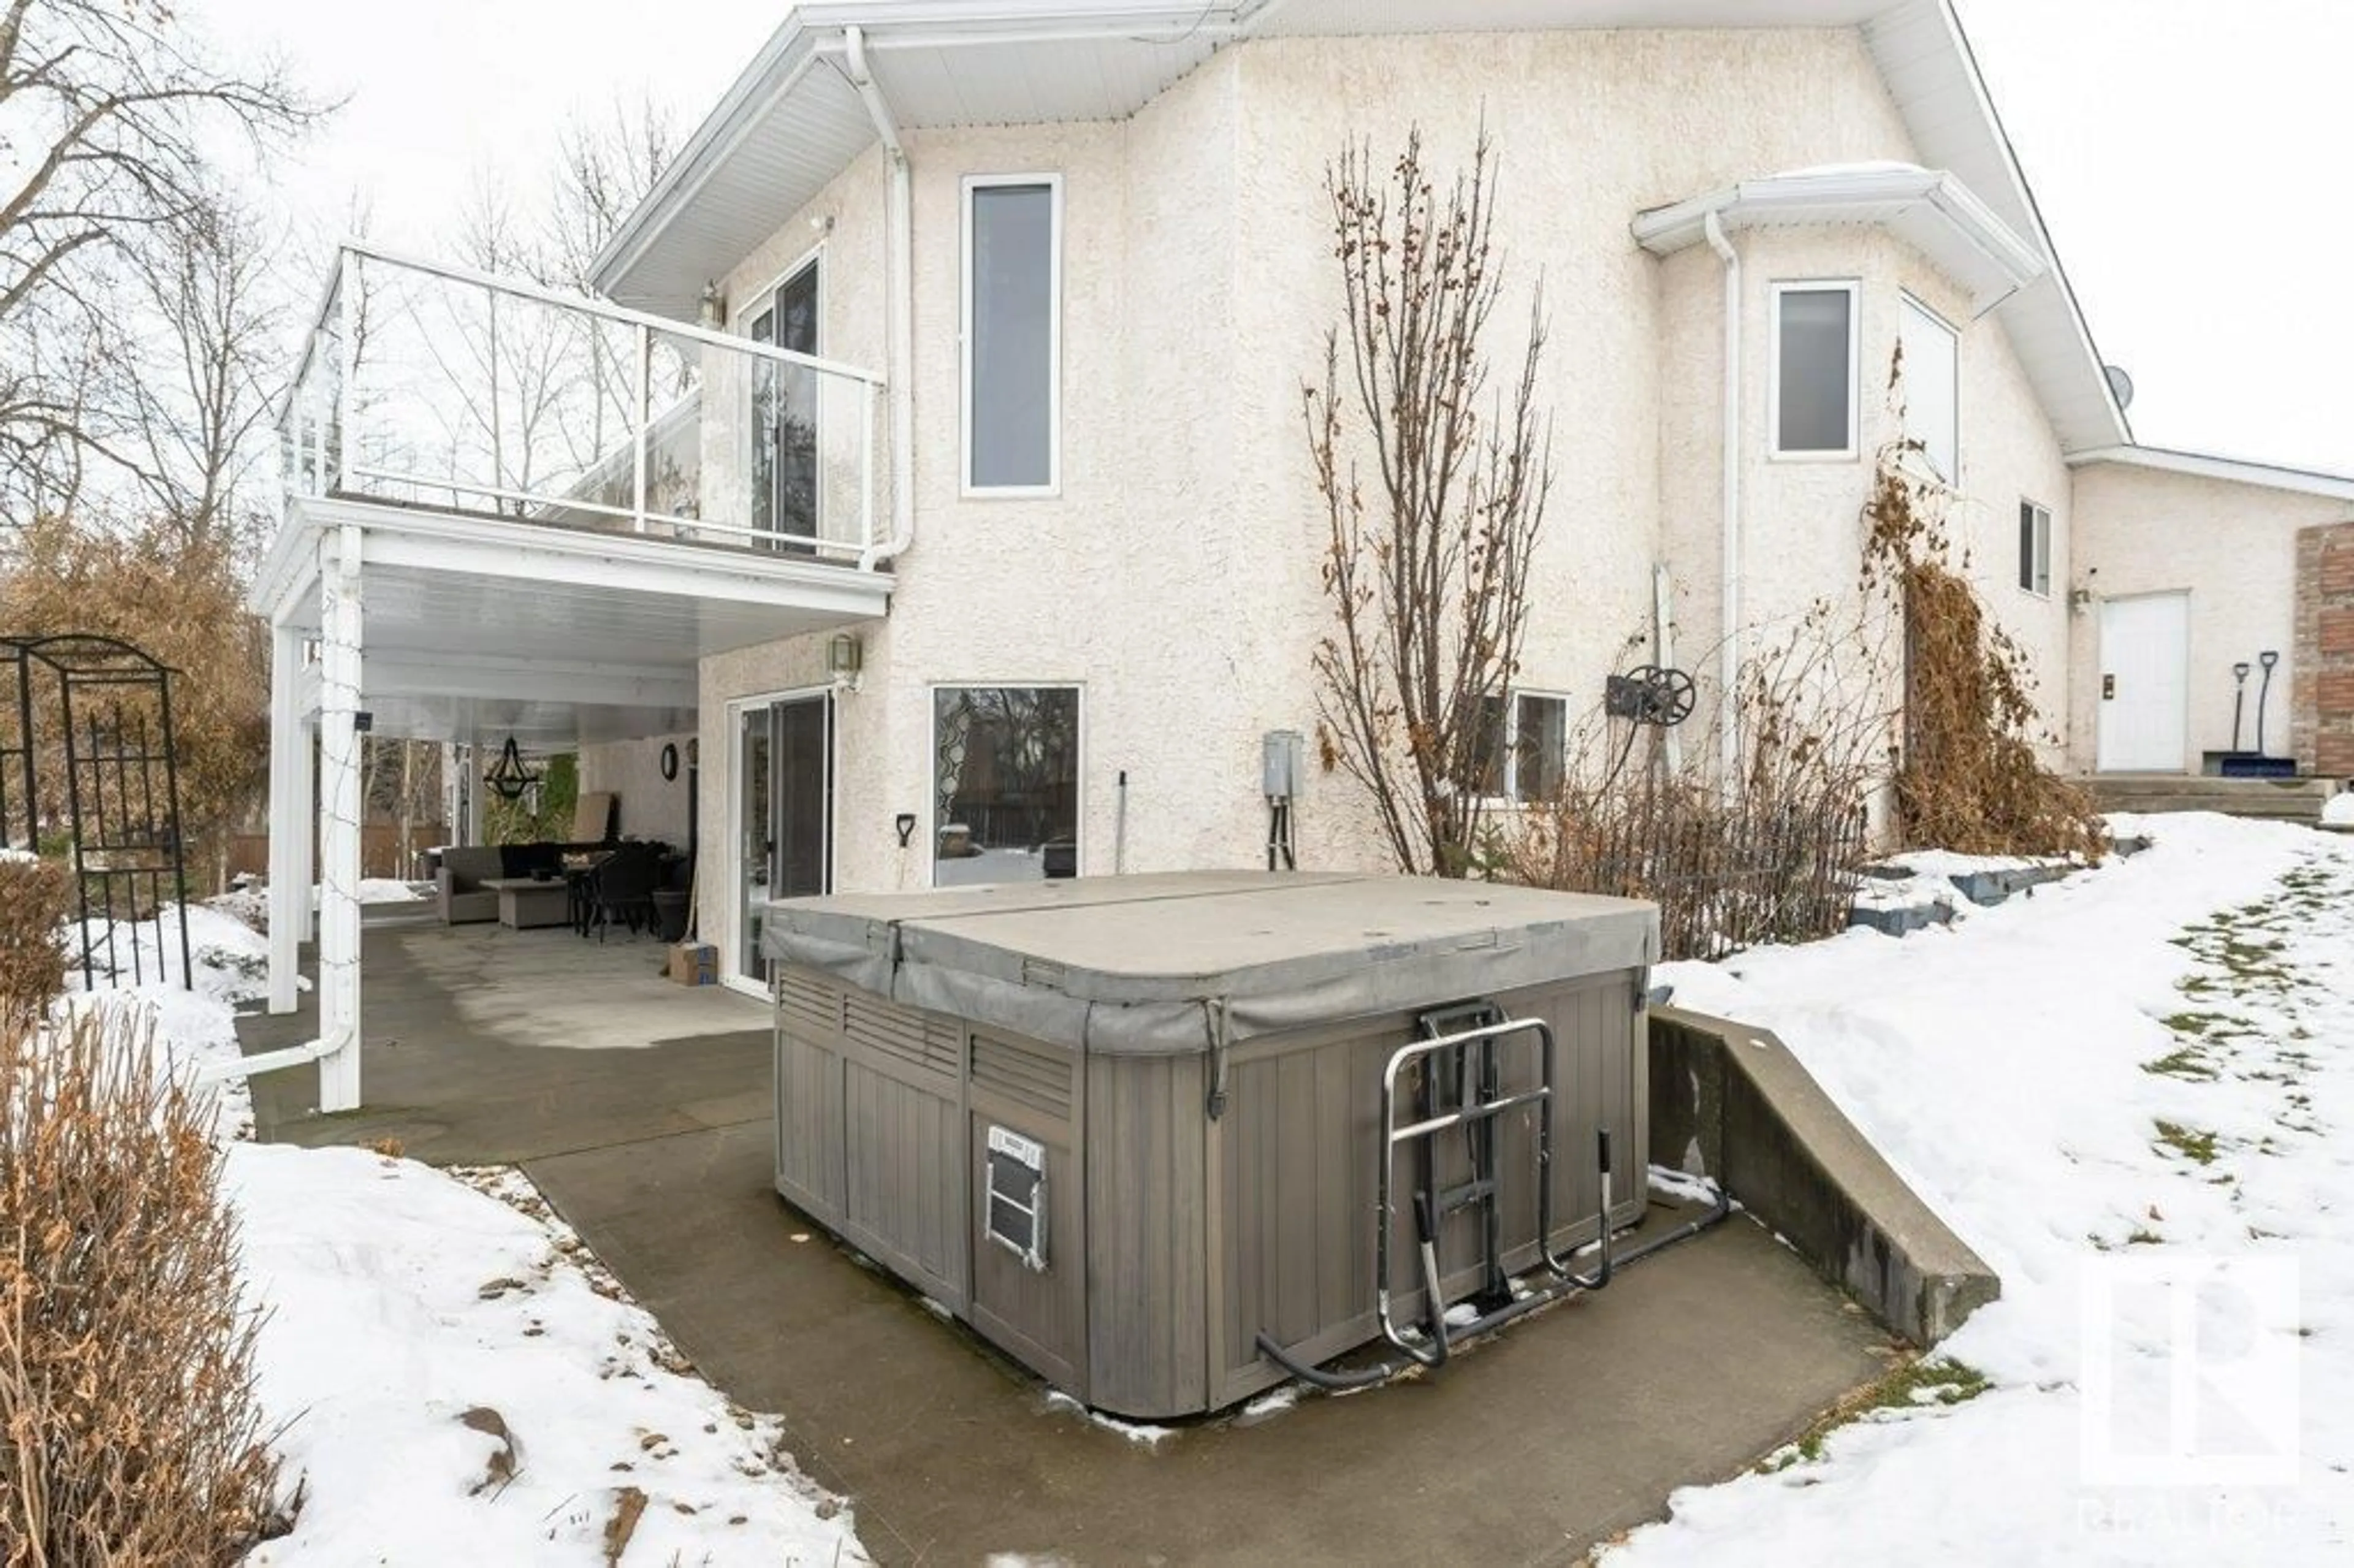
[339, 833]
[305, 812]
[290, 816]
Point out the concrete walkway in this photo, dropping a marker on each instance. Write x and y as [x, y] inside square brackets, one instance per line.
[641, 1109]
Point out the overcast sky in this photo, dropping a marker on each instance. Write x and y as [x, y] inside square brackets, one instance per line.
[2185, 153]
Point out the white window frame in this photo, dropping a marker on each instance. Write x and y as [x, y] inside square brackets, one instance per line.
[1508, 777]
[1054, 485]
[2040, 551]
[740, 315]
[1853, 289]
[730, 974]
[1907, 298]
[932, 751]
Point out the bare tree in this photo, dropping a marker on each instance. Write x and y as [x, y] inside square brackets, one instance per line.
[110, 107]
[1428, 571]
[199, 411]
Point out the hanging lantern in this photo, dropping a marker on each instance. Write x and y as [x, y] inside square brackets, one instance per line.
[508, 778]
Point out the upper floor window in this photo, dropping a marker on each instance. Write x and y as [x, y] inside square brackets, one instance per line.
[2034, 547]
[1812, 390]
[1012, 334]
[1932, 387]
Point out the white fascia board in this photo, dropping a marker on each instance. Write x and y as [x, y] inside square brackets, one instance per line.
[2088, 369]
[2235, 470]
[289, 569]
[1862, 193]
[493, 547]
[808, 31]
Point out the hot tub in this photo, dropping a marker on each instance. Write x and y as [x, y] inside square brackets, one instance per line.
[1140, 1132]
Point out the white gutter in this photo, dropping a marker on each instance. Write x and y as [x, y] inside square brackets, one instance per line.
[1729, 645]
[899, 311]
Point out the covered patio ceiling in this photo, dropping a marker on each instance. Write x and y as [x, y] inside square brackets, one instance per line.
[476, 628]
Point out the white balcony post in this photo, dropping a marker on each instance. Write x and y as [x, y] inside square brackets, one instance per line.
[289, 815]
[339, 837]
[304, 811]
[347, 372]
[865, 469]
[644, 403]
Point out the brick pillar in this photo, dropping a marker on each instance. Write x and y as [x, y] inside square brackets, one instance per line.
[2321, 694]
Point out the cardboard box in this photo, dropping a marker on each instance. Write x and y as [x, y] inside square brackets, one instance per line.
[695, 963]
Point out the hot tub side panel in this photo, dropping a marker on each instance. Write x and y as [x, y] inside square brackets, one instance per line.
[870, 1128]
[1035, 1091]
[1148, 1334]
[1291, 1167]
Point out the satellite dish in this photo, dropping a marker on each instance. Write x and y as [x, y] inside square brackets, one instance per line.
[2120, 385]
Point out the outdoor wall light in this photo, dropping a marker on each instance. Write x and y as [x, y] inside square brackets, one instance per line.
[713, 314]
[843, 656]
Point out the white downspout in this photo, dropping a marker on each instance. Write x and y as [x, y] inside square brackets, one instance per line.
[900, 308]
[1729, 643]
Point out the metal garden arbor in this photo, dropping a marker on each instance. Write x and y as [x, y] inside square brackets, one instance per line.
[98, 710]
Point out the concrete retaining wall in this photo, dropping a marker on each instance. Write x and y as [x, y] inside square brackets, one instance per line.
[1730, 1102]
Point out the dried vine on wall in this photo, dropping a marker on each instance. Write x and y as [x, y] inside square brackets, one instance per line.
[1969, 778]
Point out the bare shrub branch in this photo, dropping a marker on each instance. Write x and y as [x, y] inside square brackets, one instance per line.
[1428, 575]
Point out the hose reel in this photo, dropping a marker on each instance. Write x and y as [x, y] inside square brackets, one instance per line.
[1654, 694]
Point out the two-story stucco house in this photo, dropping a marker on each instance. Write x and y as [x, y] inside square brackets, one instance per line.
[932, 474]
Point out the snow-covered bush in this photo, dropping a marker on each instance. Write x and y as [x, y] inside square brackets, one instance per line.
[129, 1430]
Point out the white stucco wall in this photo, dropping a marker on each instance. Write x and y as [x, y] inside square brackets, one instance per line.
[653, 807]
[2233, 547]
[1175, 576]
[1802, 518]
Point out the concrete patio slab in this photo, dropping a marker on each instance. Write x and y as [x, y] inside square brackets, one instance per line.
[647, 1126]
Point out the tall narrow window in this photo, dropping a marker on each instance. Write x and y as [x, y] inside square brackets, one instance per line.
[1933, 393]
[1813, 384]
[2034, 548]
[1012, 334]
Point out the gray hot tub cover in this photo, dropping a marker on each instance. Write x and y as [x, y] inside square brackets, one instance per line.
[1174, 964]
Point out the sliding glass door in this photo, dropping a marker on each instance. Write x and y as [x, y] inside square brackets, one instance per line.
[784, 437]
[782, 794]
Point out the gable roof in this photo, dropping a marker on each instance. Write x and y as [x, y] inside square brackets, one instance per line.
[2210, 465]
[792, 122]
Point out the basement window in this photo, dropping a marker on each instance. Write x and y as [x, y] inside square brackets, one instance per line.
[1812, 387]
[1013, 335]
[2035, 548]
[1017, 1196]
[1523, 745]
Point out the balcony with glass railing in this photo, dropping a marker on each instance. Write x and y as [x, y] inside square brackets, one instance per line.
[434, 388]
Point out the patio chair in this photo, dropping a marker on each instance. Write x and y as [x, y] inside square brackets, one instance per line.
[463, 899]
[622, 887]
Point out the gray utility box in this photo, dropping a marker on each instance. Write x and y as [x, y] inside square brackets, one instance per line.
[1123, 1126]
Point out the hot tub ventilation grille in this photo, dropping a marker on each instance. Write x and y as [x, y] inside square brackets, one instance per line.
[1026, 1077]
[902, 1034]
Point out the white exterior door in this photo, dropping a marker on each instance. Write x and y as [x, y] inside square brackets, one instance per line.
[2145, 682]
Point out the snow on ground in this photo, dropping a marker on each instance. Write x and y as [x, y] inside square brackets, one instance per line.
[2339, 810]
[454, 1377]
[2148, 1068]
[460, 1388]
[385, 890]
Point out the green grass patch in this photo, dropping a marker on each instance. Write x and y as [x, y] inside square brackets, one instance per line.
[2187, 1062]
[2192, 1144]
[1919, 1382]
